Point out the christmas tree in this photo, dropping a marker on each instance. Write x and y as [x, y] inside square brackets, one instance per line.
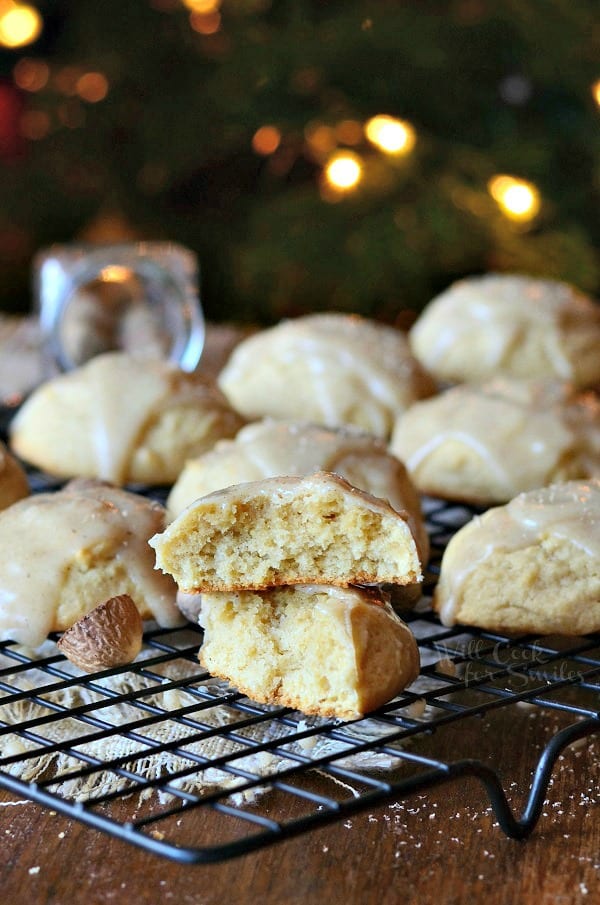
[345, 155]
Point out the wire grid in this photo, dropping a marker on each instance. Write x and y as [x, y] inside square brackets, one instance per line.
[158, 739]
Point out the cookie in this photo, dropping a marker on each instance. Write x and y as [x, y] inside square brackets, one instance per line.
[65, 552]
[529, 566]
[485, 444]
[331, 369]
[513, 325]
[121, 419]
[269, 448]
[336, 652]
[317, 529]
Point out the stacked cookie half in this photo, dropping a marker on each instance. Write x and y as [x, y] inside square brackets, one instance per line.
[289, 571]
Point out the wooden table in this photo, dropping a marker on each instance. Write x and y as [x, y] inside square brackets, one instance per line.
[440, 846]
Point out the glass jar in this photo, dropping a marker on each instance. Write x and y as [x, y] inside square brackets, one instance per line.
[141, 297]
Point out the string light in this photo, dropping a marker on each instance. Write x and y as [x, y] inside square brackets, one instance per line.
[321, 140]
[596, 91]
[205, 23]
[517, 199]
[31, 75]
[266, 140]
[92, 87]
[344, 171]
[203, 7]
[393, 136]
[20, 24]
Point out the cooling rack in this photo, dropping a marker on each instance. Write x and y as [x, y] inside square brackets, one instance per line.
[136, 751]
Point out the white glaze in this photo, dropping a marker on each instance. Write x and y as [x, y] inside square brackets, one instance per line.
[520, 430]
[340, 363]
[42, 536]
[569, 511]
[495, 313]
[115, 425]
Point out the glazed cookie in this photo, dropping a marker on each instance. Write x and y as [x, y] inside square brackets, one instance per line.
[529, 566]
[269, 448]
[512, 325]
[65, 552]
[317, 529]
[485, 444]
[336, 652]
[331, 369]
[13, 480]
[121, 419]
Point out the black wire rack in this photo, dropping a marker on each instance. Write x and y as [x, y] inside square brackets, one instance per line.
[135, 751]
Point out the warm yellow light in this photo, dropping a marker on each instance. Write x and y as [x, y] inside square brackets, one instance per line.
[204, 7]
[92, 87]
[596, 92]
[516, 198]
[344, 171]
[266, 140]
[20, 24]
[394, 136]
[115, 273]
[31, 75]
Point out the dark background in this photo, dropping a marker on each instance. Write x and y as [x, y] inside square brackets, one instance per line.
[490, 86]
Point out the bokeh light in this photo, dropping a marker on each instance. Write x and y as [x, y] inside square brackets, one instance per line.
[320, 140]
[203, 7]
[344, 171]
[596, 91]
[518, 199]
[92, 87]
[266, 140]
[393, 136]
[31, 75]
[205, 23]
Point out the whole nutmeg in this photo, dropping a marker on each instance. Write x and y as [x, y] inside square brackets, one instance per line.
[109, 635]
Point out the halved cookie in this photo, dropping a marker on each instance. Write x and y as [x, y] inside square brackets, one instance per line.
[337, 652]
[269, 448]
[317, 529]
